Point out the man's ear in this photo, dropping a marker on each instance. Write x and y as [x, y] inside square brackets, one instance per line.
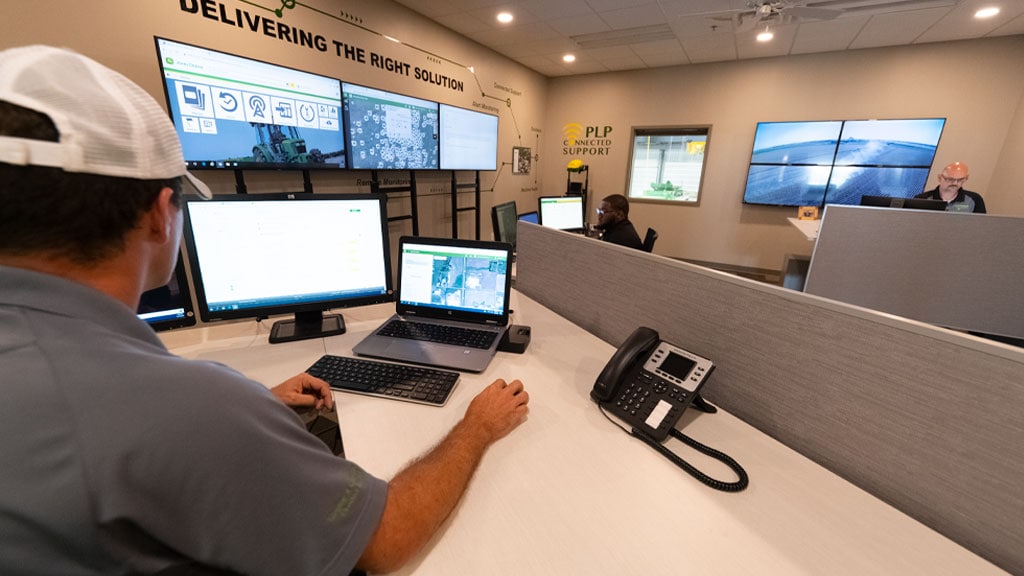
[163, 215]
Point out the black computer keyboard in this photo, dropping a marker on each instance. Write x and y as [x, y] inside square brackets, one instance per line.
[386, 380]
[439, 333]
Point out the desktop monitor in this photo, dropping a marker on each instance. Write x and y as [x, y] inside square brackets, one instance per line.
[531, 217]
[169, 306]
[259, 255]
[562, 212]
[898, 202]
[237, 113]
[388, 131]
[504, 217]
[469, 139]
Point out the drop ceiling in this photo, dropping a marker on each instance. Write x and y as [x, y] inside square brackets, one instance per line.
[611, 35]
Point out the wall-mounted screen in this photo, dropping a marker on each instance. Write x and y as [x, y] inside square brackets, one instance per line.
[562, 212]
[233, 112]
[388, 131]
[469, 139]
[837, 162]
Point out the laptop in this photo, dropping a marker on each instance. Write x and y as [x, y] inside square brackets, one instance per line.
[446, 288]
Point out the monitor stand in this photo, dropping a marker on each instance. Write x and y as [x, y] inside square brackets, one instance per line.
[307, 325]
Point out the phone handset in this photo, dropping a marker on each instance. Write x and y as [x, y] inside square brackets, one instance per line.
[647, 384]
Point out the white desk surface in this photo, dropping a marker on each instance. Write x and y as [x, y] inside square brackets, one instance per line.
[570, 493]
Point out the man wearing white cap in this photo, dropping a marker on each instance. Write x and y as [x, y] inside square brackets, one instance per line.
[119, 457]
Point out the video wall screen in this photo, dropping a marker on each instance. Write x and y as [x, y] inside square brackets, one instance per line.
[233, 112]
[469, 139]
[837, 162]
[386, 131]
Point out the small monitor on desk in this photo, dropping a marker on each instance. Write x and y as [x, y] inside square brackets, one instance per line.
[531, 217]
[503, 217]
[258, 255]
[562, 212]
[909, 203]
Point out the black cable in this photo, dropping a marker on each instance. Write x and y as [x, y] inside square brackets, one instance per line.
[736, 486]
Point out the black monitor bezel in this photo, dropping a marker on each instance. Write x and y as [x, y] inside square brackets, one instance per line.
[900, 202]
[260, 312]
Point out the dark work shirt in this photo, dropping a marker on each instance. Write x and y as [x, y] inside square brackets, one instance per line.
[965, 201]
[623, 233]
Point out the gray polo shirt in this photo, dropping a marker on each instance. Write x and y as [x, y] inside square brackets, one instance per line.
[116, 455]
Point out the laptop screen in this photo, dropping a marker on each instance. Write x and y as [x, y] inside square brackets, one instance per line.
[456, 278]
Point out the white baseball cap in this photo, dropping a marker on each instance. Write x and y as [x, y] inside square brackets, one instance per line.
[108, 125]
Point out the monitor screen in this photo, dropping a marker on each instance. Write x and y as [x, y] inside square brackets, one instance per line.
[169, 306]
[258, 255]
[837, 162]
[469, 139]
[562, 212]
[532, 217]
[233, 112]
[504, 217]
[388, 131]
[898, 202]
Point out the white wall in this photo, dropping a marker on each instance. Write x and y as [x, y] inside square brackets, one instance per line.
[977, 85]
[120, 33]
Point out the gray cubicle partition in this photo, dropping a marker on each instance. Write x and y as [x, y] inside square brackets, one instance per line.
[929, 420]
[962, 271]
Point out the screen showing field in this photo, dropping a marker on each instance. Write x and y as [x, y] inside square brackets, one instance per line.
[564, 213]
[469, 139]
[837, 162]
[389, 131]
[233, 112]
[471, 280]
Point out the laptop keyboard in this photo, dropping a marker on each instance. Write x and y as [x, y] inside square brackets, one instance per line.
[439, 333]
[395, 381]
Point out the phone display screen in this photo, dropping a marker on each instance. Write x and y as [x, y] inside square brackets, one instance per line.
[677, 366]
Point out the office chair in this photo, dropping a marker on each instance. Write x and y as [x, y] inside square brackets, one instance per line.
[649, 239]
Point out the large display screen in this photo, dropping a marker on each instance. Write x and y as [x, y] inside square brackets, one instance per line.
[233, 112]
[469, 139]
[837, 162]
[387, 131]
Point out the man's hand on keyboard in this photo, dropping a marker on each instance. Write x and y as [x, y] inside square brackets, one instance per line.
[303, 390]
[499, 408]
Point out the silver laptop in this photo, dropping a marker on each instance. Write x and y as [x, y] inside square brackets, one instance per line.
[452, 304]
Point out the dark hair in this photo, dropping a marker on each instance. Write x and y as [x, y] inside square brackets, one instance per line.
[618, 202]
[82, 217]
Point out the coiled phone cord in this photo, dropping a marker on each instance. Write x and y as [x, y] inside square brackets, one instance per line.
[736, 486]
[722, 457]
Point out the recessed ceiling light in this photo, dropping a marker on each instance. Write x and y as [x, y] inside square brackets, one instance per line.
[765, 36]
[505, 17]
[569, 58]
[987, 12]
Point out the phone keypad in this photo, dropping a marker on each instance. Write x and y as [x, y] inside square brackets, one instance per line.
[643, 396]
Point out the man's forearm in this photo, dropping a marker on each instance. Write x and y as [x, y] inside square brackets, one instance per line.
[421, 497]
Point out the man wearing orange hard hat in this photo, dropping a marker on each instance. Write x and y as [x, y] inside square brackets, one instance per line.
[951, 191]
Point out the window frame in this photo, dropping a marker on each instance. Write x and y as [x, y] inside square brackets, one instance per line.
[682, 131]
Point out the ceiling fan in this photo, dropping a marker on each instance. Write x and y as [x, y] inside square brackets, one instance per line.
[760, 12]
